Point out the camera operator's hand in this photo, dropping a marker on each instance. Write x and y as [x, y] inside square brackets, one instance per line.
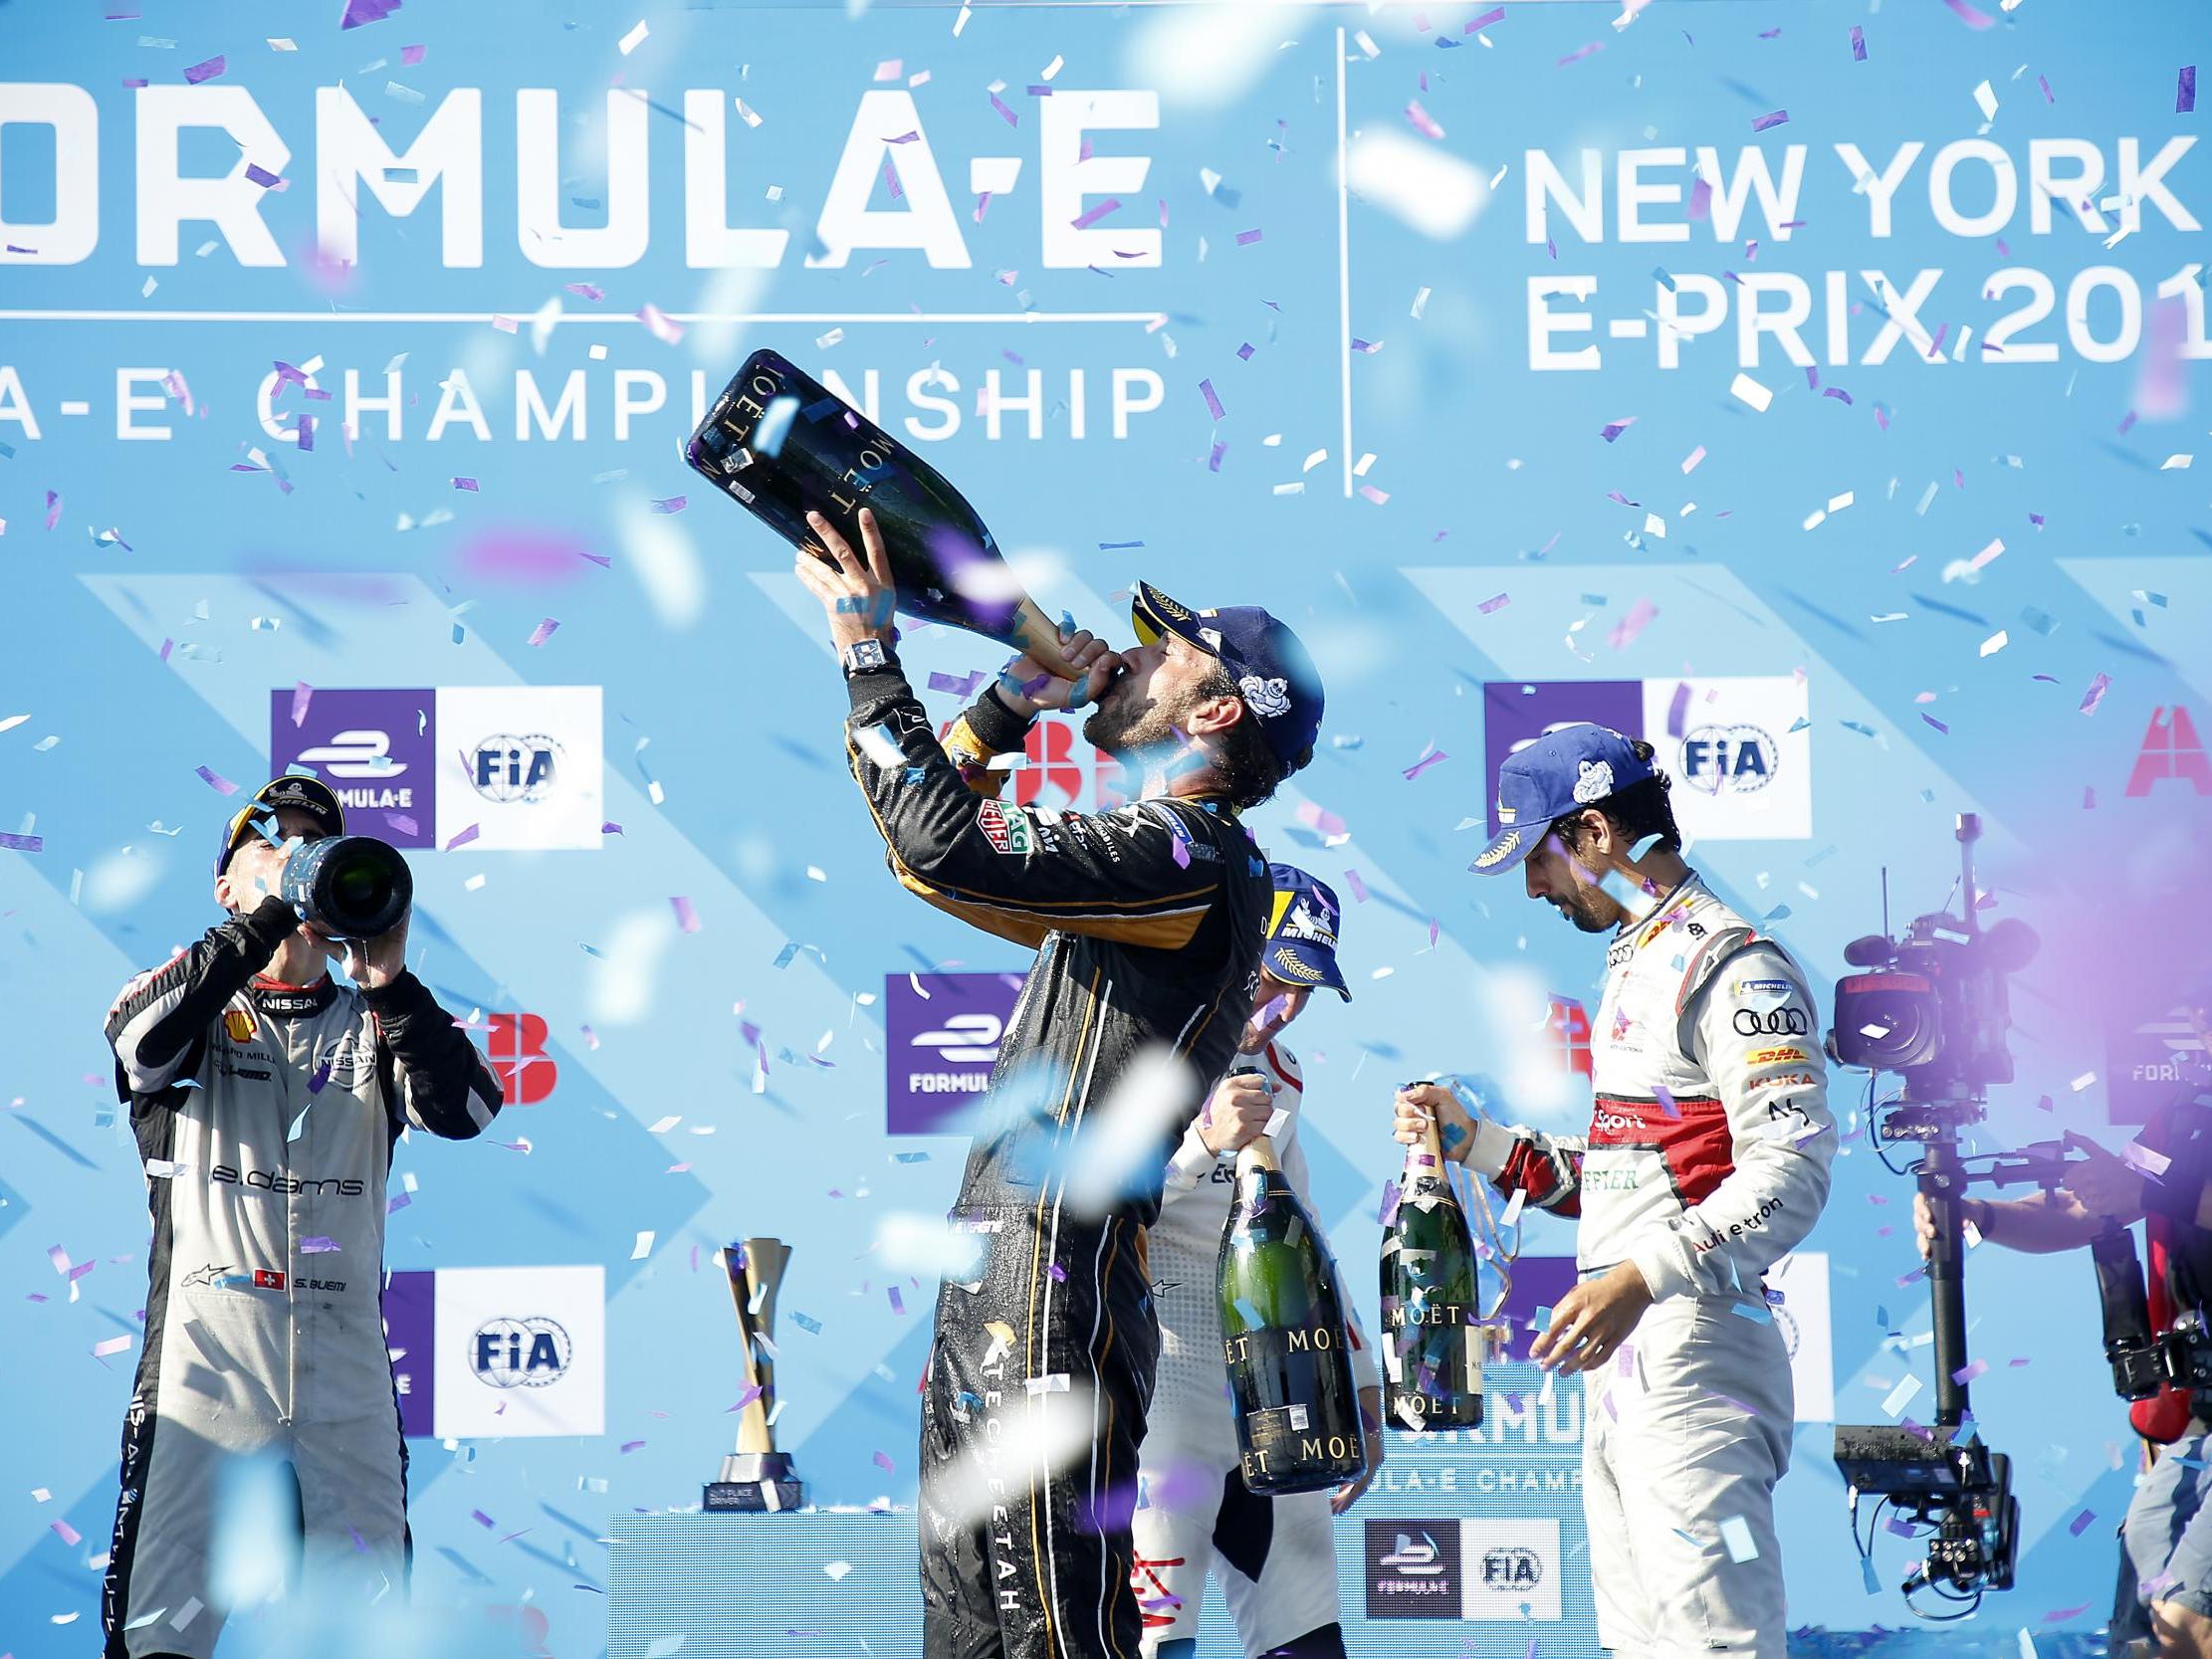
[1418, 1104]
[2105, 1184]
[1237, 1112]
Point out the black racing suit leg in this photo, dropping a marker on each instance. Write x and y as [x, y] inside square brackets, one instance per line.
[1032, 1415]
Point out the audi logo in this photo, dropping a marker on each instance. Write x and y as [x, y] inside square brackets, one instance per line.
[1775, 1022]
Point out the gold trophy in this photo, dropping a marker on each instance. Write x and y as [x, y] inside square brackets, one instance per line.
[755, 1478]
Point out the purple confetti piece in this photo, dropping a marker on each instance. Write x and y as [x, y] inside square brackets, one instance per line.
[1245, 353]
[409, 56]
[207, 71]
[1091, 216]
[1677, 709]
[2048, 96]
[2095, 693]
[467, 483]
[1497, 602]
[1613, 429]
[1423, 764]
[1212, 402]
[1244, 239]
[1666, 1101]
[2185, 90]
[1057, 1273]
[998, 104]
[23, 843]
[543, 632]
[686, 918]
[318, 1246]
[1938, 725]
[1969, 15]
[883, 1459]
[1358, 887]
[1638, 618]
[1970, 1371]
[2080, 1522]
[628, 1446]
[1496, 14]
[1391, 1196]
[263, 176]
[1857, 44]
[52, 508]
[464, 837]
[358, 12]
[1773, 117]
[1576, 56]
[1213, 457]
[672, 503]
[216, 780]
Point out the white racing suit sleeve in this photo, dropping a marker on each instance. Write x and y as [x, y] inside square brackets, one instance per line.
[1194, 1161]
[1749, 1024]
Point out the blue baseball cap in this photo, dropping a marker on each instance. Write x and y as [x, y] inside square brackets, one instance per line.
[1273, 672]
[1301, 931]
[309, 794]
[1560, 773]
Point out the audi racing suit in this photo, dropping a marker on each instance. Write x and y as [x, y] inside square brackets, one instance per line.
[1147, 921]
[1707, 1160]
[266, 1116]
[1275, 1557]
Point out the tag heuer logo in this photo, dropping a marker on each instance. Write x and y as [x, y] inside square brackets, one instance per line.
[1005, 828]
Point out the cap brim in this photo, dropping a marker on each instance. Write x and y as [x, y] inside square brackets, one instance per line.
[242, 823]
[1149, 608]
[1295, 963]
[1508, 847]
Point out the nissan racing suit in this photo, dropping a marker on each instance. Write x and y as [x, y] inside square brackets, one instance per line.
[1147, 921]
[1707, 1160]
[1275, 1557]
[266, 1115]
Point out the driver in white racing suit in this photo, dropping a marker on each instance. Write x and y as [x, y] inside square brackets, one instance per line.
[1707, 1160]
[1274, 1558]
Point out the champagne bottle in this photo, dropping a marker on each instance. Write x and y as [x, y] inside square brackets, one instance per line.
[781, 444]
[1433, 1347]
[1282, 1334]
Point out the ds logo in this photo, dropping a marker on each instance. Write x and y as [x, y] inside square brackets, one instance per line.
[519, 1352]
[516, 1046]
[502, 768]
[1737, 759]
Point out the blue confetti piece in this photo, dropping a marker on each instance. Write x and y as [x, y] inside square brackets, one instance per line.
[1756, 1312]
[813, 1327]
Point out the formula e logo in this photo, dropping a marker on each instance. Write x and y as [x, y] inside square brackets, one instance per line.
[1413, 1569]
[502, 768]
[1728, 759]
[519, 1352]
[1416, 1555]
[965, 1039]
[360, 752]
[1775, 1022]
[1511, 1568]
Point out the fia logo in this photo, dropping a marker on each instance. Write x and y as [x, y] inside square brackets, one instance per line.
[504, 767]
[1511, 1568]
[1728, 759]
[519, 1352]
[965, 1039]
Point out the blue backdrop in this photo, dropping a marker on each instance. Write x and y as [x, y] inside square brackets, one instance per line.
[1338, 304]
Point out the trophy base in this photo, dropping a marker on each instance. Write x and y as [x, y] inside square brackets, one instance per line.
[754, 1483]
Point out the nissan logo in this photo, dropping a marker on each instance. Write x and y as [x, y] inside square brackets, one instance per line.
[1775, 1022]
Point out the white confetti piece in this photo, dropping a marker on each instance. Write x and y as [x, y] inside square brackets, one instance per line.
[1736, 1535]
[837, 1570]
[1996, 643]
[1747, 390]
[643, 1247]
[637, 38]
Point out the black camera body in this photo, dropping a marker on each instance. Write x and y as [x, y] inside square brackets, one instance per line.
[1936, 1008]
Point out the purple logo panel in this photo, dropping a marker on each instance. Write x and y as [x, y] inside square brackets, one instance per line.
[375, 748]
[1538, 1282]
[410, 1326]
[943, 1033]
[1515, 713]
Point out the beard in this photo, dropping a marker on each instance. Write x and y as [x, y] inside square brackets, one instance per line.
[1591, 908]
[1125, 723]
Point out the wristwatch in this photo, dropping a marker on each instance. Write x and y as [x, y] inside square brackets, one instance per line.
[864, 653]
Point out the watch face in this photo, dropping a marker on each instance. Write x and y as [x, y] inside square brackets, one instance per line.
[866, 652]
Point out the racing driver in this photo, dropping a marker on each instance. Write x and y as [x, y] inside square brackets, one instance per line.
[1707, 1160]
[1147, 924]
[265, 1100]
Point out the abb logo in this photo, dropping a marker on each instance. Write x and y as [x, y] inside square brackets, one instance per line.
[1570, 1025]
[1058, 769]
[2171, 750]
[516, 1046]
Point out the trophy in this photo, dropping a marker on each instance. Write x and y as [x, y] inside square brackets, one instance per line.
[781, 444]
[755, 1478]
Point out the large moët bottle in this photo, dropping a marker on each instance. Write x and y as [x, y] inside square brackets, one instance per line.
[1283, 1337]
[781, 444]
[1433, 1347]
